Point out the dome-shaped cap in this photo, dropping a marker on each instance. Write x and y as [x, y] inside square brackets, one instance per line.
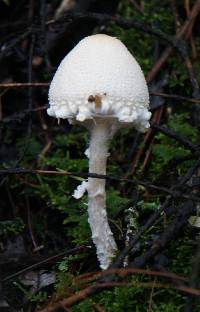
[100, 77]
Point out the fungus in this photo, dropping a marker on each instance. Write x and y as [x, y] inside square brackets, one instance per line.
[100, 85]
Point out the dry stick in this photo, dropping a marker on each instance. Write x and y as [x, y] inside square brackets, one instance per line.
[46, 85]
[189, 32]
[190, 28]
[137, 235]
[11, 200]
[170, 191]
[14, 42]
[176, 15]
[156, 117]
[181, 139]
[156, 68]
[30, 77]
[101, 18]
[180, 33]
[24, 113]
[131, 23]
[175, 97]
[124, 272]
[90, 290]
[90, 277]
[42, 42]
[193, 79]
[140, 152]
[36, 265]
[161, 61]
[172, 229]
[148, 152]
[150, 303]
[97, 307]
[150, 221]
[185, 142]
[30, 97]
[42, 35]
[155, 216]
[170, 233]
[170, 133]
[193, 14]
[137, 6]
[124, 23]
[36, 247]
[24, 84]
[187, 6]
[196, 271]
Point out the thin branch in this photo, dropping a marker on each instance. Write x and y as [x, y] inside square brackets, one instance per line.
[173, 193]
[178, 137]
[165, 238]
[36, 265]
[90, 290]
[46, 85]
[24, 85]
[155, 216]
[124, 272]
[32, 236]
[182, 32]
[15, 42]
[21, 115]
[122, 22]
[176, 97]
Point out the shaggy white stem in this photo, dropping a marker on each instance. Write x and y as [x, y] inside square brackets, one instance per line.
[101, 232]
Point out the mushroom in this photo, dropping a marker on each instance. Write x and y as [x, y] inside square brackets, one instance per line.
[100, 85]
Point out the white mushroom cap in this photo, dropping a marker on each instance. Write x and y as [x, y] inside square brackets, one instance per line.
[100, 77]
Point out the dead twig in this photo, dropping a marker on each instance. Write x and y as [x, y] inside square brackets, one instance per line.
[170, 133]
[24, 85]
[124, 272]
[173, 193]
[155, 216]
[35, 245]
[85, 293]
[170, 233]
[48, 259]
[167, 52]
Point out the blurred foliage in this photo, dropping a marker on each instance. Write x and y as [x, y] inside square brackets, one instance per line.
[7, 2]
[64, 282]
[11, 227]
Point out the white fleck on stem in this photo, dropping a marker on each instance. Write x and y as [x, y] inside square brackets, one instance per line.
[101, 233]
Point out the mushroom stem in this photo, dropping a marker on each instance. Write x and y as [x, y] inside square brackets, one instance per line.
[100, 135]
